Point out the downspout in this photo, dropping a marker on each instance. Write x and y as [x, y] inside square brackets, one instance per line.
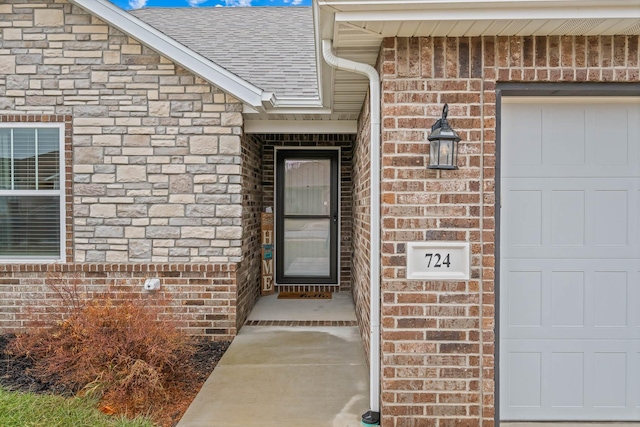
[373, 416]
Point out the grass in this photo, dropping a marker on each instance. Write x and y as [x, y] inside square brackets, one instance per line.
[31, 410]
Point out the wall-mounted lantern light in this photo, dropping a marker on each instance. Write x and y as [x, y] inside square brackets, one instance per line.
[443, 144]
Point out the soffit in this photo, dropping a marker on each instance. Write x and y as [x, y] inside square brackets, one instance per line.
[363, 24]
[357, 27]
[471, 25]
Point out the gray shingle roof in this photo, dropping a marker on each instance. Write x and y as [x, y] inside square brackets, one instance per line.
[270, 47]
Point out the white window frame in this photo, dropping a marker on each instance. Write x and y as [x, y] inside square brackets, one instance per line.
[60, 192]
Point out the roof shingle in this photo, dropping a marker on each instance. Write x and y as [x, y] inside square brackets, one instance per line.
[270, 47]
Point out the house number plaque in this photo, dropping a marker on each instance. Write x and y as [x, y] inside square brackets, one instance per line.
[438, 260]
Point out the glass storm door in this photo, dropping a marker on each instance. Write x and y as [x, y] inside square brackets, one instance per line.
[307, 217]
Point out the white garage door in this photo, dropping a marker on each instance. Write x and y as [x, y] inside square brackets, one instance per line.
[570, 259]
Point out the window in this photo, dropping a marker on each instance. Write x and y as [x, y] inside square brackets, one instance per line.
[31, 191]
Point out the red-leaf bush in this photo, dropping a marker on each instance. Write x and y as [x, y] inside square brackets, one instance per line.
[113, 346]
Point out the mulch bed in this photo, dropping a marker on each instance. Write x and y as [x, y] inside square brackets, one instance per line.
[15, 375]
[206, 358]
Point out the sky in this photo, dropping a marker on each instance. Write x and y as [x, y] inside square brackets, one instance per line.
[137, 4]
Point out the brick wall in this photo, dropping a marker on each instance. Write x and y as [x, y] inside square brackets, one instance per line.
[361, 285]
[195, 296]
[345, 143]
[249, 270]
[438, 336]
[153, 158]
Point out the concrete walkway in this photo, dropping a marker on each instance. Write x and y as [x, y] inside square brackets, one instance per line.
[312, 376]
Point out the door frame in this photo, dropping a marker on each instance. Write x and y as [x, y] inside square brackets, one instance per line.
[509, 89]
[335, 263]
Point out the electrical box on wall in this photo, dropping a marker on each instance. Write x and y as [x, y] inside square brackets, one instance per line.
[152, 284]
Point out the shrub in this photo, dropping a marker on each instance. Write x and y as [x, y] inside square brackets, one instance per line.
[112, 348]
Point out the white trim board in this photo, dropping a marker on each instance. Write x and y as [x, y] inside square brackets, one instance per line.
[301, 126]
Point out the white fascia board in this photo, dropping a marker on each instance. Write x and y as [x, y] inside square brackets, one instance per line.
[301, 126]
[166, 46]
[492, 14]
[275, 102]
[291, 111]
[300, 110]
[323, 71]
[346, 5]
[277, 105]
[298, 104]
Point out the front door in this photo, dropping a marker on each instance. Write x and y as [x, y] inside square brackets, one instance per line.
[307, 217]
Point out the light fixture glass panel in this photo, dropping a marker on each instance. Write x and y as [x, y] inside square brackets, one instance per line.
[434, 153]
[446, 152]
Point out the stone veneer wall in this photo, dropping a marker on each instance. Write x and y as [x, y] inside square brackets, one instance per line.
[154, 161]
[345, 142]
[438, 337]
[361, 284]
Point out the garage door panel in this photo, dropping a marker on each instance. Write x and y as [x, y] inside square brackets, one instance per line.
[634, 372]
[568, 217]
[529, 151]
[634, 233]
[569, 299]
[612, 125]
[524, 299]
[634, 299]
[572, 171]
[610, 379]
[611, 294]
[527, 208]
[525, 375]
[572, 218]
[565, 333]
[568, 252]
[567, 139]
[567, 380]
[570, 260]
[551, 378]
[564, 136]
[611, 217]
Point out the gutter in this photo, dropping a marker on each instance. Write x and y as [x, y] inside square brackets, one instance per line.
[475, 13]
[386, 5]
[373, 416]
